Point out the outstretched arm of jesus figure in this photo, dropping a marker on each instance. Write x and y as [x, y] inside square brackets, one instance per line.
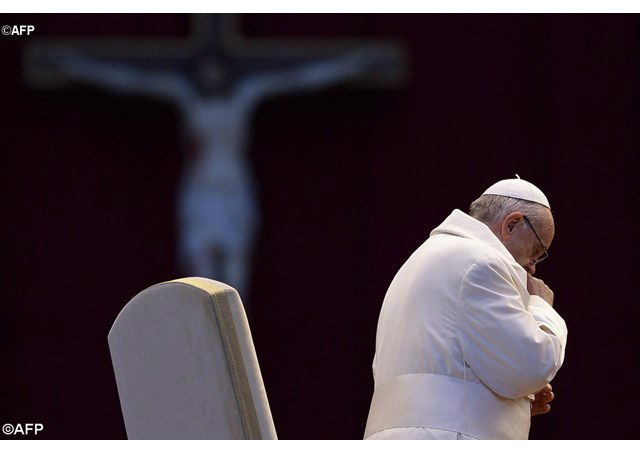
[124, 78]
[311, 76]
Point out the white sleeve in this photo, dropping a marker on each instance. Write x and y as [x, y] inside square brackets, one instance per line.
[513, 351]
[548, 319]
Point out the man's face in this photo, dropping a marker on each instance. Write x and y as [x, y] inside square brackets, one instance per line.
[521, 241]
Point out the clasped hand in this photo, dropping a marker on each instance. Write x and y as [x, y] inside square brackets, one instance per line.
[542, 399]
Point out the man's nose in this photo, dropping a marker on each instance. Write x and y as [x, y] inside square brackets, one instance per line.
[531, 268]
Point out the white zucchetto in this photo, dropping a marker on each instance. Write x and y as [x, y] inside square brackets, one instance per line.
[518, 188]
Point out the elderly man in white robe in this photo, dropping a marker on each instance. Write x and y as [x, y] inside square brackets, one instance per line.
[468, 339]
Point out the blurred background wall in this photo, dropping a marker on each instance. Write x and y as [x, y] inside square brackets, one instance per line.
[350, 182]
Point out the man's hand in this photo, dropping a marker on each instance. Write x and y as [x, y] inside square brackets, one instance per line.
[542, 399]
[537, 287]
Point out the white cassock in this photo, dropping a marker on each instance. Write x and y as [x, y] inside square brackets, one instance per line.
[461, 345]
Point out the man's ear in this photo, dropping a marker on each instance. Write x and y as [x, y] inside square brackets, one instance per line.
[510, 222]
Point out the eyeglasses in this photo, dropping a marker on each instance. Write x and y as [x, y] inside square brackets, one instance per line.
[546, 254]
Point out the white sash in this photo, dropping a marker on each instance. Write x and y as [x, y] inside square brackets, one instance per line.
[449, 403]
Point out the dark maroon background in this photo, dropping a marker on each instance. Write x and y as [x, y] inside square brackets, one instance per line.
[351, 182]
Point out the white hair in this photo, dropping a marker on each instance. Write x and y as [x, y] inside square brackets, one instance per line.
[492, 208]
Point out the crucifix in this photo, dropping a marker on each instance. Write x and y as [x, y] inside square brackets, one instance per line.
[216, 78]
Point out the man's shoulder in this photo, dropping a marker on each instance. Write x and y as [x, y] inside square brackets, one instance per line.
[469, 249]
[451, 257]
